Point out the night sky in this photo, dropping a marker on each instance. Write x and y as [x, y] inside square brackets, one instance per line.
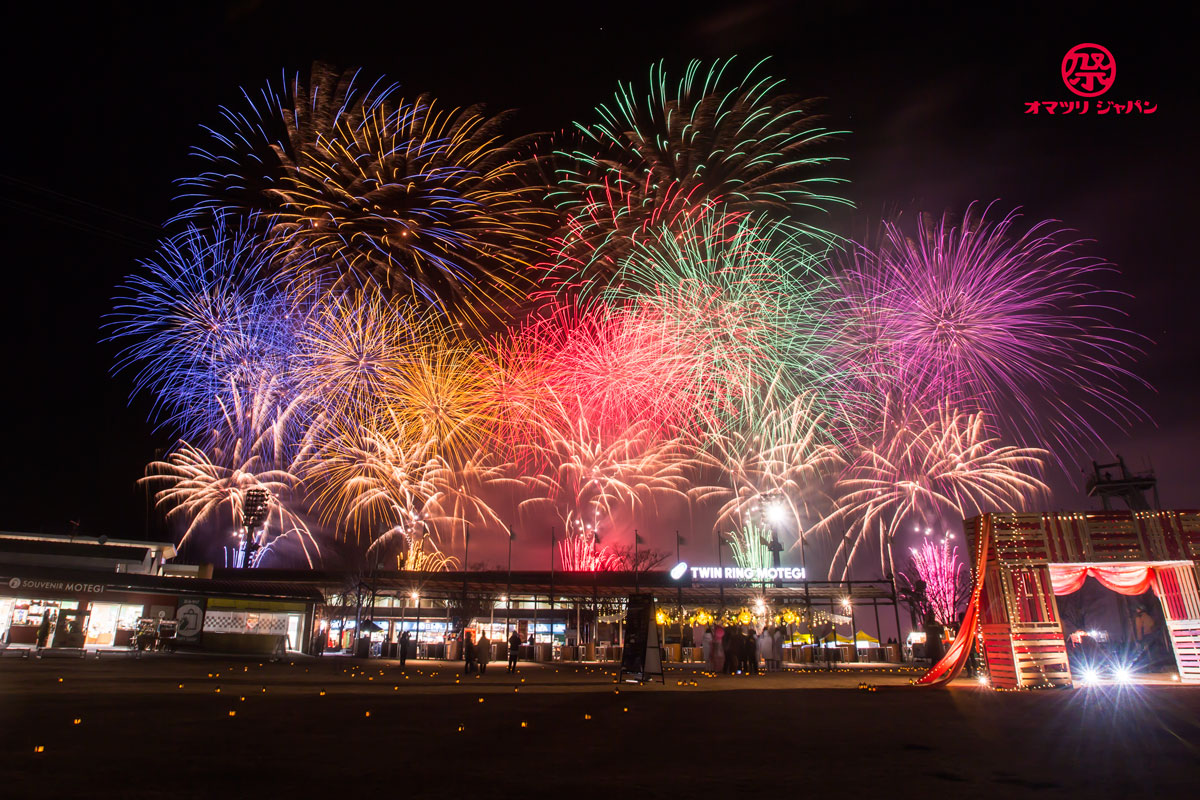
[105, 101]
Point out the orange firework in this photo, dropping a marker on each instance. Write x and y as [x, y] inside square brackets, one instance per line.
[426, 201]
[353, 350]
[440, 396]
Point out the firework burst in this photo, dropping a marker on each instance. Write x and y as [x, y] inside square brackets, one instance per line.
[938, 580]
[590, 477]
[770, 469]
[425, 201]
[204, 489]
[201, 316]
[1006, 322]
[366, 483]
[708, 136]
[354, 349]
[748, 305]
[924, 466]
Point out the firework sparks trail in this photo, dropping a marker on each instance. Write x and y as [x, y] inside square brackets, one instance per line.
[588, 474]
[418, 551]
[925, 465]
[425, 201]
[199, 317]
[708, 137]
[938, 567]
[582, 552]
[206, 487]
[1000, 321]
[774, 464]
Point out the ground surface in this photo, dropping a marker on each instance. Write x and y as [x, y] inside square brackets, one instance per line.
[158, 727]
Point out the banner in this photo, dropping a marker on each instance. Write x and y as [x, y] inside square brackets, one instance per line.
[190, 615]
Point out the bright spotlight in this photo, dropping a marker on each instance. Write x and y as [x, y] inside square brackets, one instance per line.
[1090, 677]
[1123, 675]
[776, 513]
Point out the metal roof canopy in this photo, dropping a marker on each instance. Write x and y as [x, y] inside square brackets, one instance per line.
[580, 586]
[243, 585]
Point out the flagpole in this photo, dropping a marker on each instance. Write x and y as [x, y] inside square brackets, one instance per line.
[679, 587]
[636, 584]
[466, 554]
[508, 588]
[552, 542]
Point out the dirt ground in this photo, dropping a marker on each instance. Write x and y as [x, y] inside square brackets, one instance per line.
[190, 726]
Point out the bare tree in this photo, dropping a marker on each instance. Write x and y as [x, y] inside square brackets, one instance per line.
[641, 560]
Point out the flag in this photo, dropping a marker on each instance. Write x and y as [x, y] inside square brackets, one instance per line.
[511, 536]
[680, 539]
[637, 537]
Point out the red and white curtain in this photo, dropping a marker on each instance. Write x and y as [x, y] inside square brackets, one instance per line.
[1129, 579]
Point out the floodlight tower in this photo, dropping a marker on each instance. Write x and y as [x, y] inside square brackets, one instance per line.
[1131, 487]
[256, 506]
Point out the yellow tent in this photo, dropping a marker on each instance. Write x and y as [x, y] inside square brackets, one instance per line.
[862, 636]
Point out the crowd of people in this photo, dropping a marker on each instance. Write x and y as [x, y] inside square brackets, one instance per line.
[732, 650]
[743, 650]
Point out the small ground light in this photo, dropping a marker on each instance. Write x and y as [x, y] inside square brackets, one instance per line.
[233, 713]
[76, 721]
[983, 680]
[524, 724]
[39, 749]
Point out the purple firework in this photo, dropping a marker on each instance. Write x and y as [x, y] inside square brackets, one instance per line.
[988, 317]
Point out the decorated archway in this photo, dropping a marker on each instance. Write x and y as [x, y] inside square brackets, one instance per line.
[1021, 561]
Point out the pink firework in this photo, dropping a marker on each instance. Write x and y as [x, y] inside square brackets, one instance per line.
[938, 567]
[584, 553]
[623, 365]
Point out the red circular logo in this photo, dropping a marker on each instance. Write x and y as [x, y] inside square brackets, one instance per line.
[1089, 70]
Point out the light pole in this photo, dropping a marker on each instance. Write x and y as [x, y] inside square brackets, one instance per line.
[416, 598]
[721, 570]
